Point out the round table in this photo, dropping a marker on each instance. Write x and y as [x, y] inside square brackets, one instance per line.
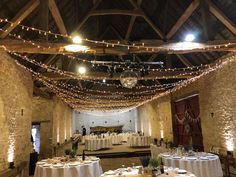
[87, 168]
[86, 137]
[133, 172]
[139, 141]
[96, 144]
[202, 165]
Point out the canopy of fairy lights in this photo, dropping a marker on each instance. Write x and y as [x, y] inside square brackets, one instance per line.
[92, 100]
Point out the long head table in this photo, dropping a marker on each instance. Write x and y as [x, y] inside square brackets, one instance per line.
[99, 143]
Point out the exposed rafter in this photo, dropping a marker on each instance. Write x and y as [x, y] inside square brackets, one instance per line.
[131, 23]
[221, 17]
[57, 16]
[58, 48]
[147, 19]
[20, 16]
[96, 4]
[187, 13]
[184, 60]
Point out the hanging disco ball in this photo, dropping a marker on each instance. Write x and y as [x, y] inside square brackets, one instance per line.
[128, 79]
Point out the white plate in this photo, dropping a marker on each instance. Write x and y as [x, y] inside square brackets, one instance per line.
[110, 172]
[58, 165]
[87, 161]
[40, 163]
[204, 158]
[176, 157]
[191, 158]
[73, 164]
[165, 155]
[46, 165]
[181, 171]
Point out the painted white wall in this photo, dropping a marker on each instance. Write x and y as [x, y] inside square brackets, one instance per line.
[127, 119]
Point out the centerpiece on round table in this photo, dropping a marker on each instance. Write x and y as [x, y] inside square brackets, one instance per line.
[154, 166]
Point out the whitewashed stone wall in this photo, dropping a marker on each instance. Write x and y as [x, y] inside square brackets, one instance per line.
[127, 119]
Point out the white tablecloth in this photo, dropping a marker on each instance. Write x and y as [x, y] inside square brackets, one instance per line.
[116, 139]
[99, 143]
[127, 136]
[139, 141]
[92, 169]
[86, 137]
[207, 166]
[134, 173]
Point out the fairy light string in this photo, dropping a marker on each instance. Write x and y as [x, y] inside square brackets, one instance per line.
[74, 76]
[108, 44]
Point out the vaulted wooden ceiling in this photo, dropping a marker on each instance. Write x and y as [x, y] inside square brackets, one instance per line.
[155, 23]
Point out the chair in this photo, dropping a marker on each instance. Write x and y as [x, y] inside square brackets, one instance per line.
[230, 165]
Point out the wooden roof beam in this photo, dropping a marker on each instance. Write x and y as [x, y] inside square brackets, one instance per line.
[147, 19]
[221, 17]
[57, 16]
[184, 60]
[187, 13]
[96, 4]
[58, 48]
[131, 23]
[20, 16]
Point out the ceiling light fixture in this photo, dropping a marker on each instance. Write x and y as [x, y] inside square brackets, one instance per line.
[189, 38]
[82, 70]
[76, 48]
[77, 40]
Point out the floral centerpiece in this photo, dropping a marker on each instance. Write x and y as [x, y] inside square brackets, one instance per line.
[154, 164]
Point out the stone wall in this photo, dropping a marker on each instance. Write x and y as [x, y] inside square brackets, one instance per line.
[217, 100]
[55, 119]
[15, 112]
[155, 119]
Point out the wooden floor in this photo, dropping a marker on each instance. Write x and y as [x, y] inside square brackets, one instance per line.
[122, 150]
[118, 155]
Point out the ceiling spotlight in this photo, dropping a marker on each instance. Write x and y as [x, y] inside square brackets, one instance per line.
[82, 70]
[104, 80]
[189, 37]
[77, 39]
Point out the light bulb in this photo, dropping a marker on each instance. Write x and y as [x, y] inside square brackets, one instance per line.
[189, 37]
[82, 70]
[77, 39]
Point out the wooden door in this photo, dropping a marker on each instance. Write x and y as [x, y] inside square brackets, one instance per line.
[187, 123]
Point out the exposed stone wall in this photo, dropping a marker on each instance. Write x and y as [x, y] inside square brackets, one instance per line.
[15, 112]
[55, 119]
[155, 118]
[42, 114]
[217, 100]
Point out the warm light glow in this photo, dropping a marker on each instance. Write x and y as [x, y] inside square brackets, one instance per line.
[229, 144]
[11, 147]
[189, 37]
[76, 48]
[162, 134]
[58, 134]
[150, 129]
[77, 39]
[104, 80]
[82, 70]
